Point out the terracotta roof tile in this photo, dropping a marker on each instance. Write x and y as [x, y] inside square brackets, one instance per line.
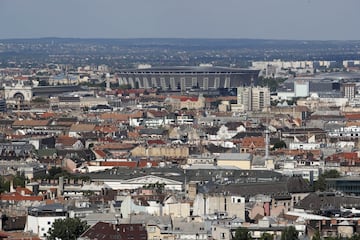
[30, 123]
[82, 128]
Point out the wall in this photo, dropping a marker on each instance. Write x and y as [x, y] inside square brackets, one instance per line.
[40, 225]
[237, 163]
[161, 151]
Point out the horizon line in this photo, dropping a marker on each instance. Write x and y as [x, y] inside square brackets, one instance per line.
[179, 38]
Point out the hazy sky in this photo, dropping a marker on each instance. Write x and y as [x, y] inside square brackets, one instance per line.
[266, 19]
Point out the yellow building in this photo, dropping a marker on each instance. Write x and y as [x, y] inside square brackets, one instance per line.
[240, 160]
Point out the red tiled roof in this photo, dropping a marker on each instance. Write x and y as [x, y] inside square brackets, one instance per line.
[21, 190]
[344, 156]
[146, 163]
[66, 140]
[82, 128]
[130, 164]
[185, 98]
[47, 115]
[352, 116]
[121, 117]
[156, 142]
[18, 197]
[31, 123]
[99, 152]
[256, 142]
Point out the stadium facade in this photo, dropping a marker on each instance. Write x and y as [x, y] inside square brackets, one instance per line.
[185, 78]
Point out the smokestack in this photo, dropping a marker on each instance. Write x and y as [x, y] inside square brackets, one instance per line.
[60, 186]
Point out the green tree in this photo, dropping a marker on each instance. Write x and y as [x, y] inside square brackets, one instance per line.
[266, 236]
[320, 184]
[19, 180]
[316, 236]
[242, 233]
[280, 144]
[290, 233]
[68, 228]
[4, 185]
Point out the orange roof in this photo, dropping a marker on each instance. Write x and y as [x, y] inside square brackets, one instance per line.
[119, 164]
[156, 142]
[114, 116]
[31, 123]
[121, 116]
[144, 163]
[21, 190]
[133, 134]
[47, 115]
[66, 140]
[344, 156]
[255, 142]
[185, 98]
[82, 128]
[352, 116]
[99, 152]
[18, 197]
[352, 123]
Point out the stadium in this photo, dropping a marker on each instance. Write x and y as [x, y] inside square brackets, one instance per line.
[185, 78]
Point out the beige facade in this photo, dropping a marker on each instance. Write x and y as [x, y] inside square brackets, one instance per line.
[345, 229]
[178, 103]
[161, 151]
[254, 98]
[246, 165]
[219, 203]
[177, 209]
[221, 232]
[154, 233]
[240, 160]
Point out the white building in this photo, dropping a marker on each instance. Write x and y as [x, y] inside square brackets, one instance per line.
[41, 218]
[301, 88]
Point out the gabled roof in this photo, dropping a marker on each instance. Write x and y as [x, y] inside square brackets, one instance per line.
[157, 114]
[253, 142]
[66, 141]
[82, 127]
